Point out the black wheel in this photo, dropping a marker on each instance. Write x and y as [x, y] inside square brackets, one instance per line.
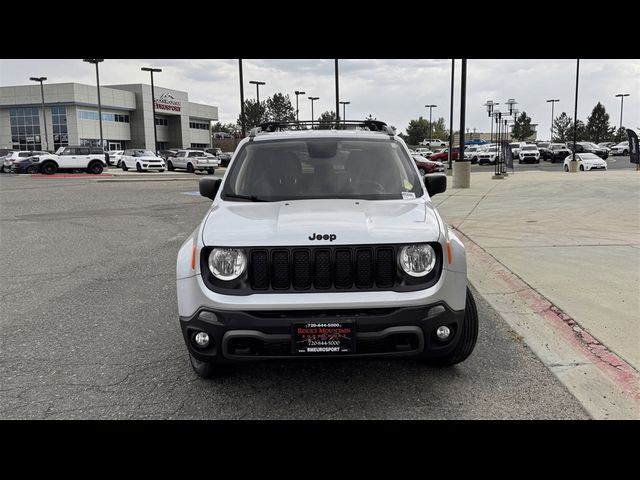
[1, 168]
[138, 167]
[211, 171]
[119, 164]
[468, 336]
[170, 166]
[190, 167]
[161, 170]
[582, 168]
[625, 152]
[203, 369]
[538, 161]
[566, 168]
[422, 172]
[32, 169]
[95, 168]
[49, 168]
[520, 161]
[124, 166]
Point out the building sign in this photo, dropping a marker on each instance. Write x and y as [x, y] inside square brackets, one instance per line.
[167, 102]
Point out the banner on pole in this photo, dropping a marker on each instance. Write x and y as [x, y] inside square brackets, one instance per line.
[507, 154]
[634, 153]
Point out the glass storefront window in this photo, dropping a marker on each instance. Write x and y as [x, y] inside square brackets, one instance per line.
[25, 128]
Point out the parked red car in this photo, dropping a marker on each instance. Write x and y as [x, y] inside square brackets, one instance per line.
[427, 166]
[443, 155]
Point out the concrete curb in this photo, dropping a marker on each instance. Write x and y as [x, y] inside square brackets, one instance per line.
[606, 385]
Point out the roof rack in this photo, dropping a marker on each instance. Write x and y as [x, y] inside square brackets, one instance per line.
[372, 125]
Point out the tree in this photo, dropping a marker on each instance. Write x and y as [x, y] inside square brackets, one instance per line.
[279, 108]
[417, 130]
[254, 114]
[598, 128]
[581, 131]
[224, 127]
[327, 120]
[440, 130]
[620, 135]
[562, 130]
[522, 128]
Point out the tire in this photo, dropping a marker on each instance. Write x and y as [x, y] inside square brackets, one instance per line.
[161, 170]
[582, 168]
[566, 168]
[211, 171]
[33, 169]
[520, 162]
[138, 167]
[190, 168]
[625, 152]
[49, 168]
[95, 168]
[170, 166]
[468, 336]
[203, 369]
[538, 161]
[119, 164]
[124, 166]
[1, 168]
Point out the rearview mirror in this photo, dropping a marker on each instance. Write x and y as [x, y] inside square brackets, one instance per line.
[435, 183]
[209, 187]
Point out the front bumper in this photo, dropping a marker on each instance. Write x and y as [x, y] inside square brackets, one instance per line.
[153, 166]
[260, 335]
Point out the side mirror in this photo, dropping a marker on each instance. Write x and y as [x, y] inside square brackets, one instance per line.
[209, 187]
[435, 183]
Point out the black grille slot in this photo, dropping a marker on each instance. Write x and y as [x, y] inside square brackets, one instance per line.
[385, 267]
[301, 269]
[343, 270]
[280, 269]
[259, 270]
[322, 270]
[364, 268]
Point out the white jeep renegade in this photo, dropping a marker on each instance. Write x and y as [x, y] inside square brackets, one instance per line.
[323, 243]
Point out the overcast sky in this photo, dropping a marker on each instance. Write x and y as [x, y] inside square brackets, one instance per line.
[394, 91]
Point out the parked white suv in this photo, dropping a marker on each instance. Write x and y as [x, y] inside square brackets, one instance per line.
[141, 160]
[435, 143]
[192, 160]
[11, 157]
[620, 149]
[91, 159]
[529, 153]
[323, 243]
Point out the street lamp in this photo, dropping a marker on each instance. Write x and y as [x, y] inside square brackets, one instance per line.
[621, 95]
[96, 61]
[344, 112]
[573, 165]
[490, 105]
[153, 104]
[553, 103]
[44, 116]
[430, 107]
[297, 92]
[313, 99]
[257, 84]
[242, 120]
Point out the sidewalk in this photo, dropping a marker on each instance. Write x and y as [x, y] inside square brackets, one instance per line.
[573, 240]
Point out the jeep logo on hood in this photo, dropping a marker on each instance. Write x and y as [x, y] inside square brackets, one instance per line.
[319, 236]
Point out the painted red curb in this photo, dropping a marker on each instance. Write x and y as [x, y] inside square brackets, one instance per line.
[623, 375]
[70, 175]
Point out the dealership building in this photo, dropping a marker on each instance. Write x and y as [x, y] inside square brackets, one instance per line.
[71, 116]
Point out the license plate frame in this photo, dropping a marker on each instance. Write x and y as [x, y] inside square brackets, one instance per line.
[332, 337]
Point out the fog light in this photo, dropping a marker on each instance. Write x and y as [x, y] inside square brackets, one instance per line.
[443, 332]
[202, 339]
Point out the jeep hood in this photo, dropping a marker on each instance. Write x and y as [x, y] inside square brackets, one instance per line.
[292, 222]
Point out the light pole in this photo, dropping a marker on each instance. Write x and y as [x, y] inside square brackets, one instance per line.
[344, 110]
[298, 92]
[462, 171]
[453, 69]
[553, 103]
[153, 105]
[337, 95]
[96, 61]
[430, 107]
[257, 84]
[574, 165]
[44, 116]
[313, 99]
[621, 95]
[242, 119]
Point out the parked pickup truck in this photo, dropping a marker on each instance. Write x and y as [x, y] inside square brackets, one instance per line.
[192, 160]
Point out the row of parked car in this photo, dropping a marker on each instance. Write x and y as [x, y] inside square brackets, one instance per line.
[94, 160]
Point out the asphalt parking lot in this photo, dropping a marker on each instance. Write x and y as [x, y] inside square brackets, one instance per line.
[89, 327]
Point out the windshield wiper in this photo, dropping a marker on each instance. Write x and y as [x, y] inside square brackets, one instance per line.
[252, 198]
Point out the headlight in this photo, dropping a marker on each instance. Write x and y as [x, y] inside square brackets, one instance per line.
[417, 260]
[227, 263]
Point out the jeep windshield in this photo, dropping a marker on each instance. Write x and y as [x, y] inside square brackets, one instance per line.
[276, 170]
